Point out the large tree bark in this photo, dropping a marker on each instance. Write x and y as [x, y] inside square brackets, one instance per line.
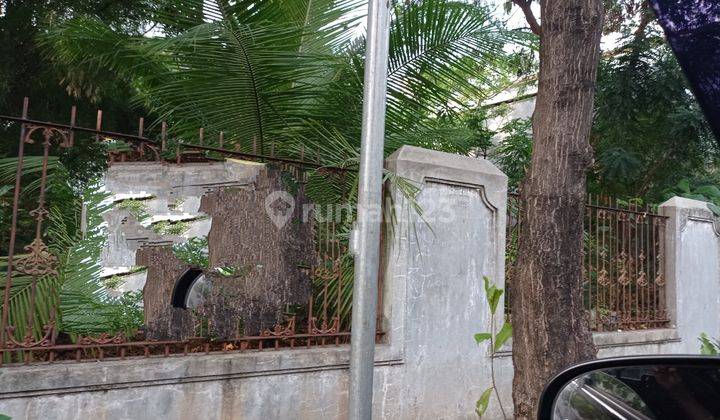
[550, 329]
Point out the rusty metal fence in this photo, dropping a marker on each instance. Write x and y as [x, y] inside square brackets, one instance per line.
[323, 321]
[623, 263]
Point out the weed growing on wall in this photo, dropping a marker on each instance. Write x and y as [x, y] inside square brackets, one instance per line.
[136, 208]
[167, 227]
[193, 252]
[497, 340]
[709, 347]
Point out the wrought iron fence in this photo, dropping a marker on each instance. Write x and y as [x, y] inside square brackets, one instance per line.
[30, 333]
[623, 263]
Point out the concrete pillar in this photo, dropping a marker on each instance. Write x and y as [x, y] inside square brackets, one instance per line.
[434, 300]
[692, 267]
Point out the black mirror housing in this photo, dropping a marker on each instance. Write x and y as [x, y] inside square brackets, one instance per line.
[652, 387]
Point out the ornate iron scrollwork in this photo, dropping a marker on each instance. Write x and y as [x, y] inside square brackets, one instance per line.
[281, 331]
[325, 328]
[29, 340]
[103, 338]
[39, 262]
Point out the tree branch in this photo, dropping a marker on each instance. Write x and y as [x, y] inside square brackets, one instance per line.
[529, 16]
[646, 16]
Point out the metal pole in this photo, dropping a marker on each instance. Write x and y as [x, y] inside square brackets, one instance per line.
[366, 238]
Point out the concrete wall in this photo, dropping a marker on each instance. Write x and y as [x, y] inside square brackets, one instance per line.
[435, 267]
[428, 366]
[516, 103]
[692, 270]
[285, 384]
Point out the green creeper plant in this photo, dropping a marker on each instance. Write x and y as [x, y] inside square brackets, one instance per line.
[136, 208]
[497, 340]
[167, 227]
[117, 280]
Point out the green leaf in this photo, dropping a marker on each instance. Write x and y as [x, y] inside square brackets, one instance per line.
[710, 191]
[5, 417]
[714, 208]
[4, 190]
[492, 294]
[480, 337]
[482, 404]
[694, 196]
[503, 336]
[707, 347]
[684, 185]
[489, 287]
[495, 300]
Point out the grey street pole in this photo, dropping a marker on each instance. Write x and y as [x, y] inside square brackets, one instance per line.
[366, 238]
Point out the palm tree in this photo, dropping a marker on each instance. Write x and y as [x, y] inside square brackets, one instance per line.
[290, 72]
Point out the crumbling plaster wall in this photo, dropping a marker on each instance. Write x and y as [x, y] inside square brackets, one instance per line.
[232, 203]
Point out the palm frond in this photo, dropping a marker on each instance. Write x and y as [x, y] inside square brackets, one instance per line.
[324, 24]
[441, 51]
[32, 168]
[75, 298]
[243, 80]
[84, 305]
[21, 291]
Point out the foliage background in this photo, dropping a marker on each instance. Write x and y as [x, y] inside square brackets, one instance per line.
[287, 76]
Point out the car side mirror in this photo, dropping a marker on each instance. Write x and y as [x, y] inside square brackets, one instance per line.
[635, 388]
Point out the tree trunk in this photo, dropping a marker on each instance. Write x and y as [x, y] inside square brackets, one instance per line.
[550, 329]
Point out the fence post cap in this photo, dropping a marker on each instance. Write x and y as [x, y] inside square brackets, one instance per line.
[428, 161]
[685, 203]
